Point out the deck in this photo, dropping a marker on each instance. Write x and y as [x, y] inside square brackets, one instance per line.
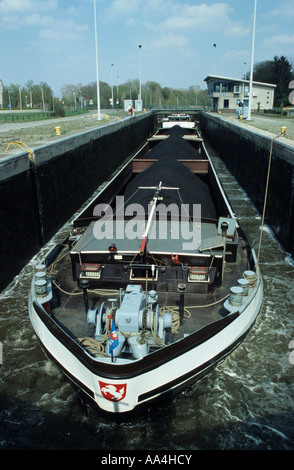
[201, 308]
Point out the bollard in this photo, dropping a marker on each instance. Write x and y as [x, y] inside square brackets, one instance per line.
[57, 129]
[283, 130]
[84, 284]
[182, 290]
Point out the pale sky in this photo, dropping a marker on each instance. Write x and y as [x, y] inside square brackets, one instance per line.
[54, 41]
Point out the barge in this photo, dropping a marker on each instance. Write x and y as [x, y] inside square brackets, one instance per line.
[156, 282]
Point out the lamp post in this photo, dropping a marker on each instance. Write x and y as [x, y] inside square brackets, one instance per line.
[244, 73]
[139, 97]
[20, 100]
[9, 99]
[117, 98]
[252, 64]
[111, 85]
[97, 69]
[43, 99]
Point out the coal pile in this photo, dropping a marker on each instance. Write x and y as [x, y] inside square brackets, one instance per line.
[175, 147]
[172, 173]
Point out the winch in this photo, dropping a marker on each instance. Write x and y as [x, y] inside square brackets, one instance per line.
[138, 313]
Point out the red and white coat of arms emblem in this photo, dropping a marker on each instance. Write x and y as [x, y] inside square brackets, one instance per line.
[113, 392]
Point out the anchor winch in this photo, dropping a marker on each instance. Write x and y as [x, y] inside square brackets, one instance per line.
[137, 316]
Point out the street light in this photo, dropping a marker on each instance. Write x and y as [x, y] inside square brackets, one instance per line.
[81, 98]
[252, 64]
[20, 100]
[43, 100]
[140, 47]
[243, 74]
[111, 85]
[97, 70]
[9, 99]
[117, 98]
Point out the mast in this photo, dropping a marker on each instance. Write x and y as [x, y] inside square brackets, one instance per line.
[153, 203]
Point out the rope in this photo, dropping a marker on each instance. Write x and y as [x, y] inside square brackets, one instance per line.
[62, 290]
[176, 315]
[96, 348]
[176, 320]
[265, 198]
[19, 144]
[209, 305]
[93, 347]
[102, 292]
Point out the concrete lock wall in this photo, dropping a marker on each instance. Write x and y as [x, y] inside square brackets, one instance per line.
[246, 151]
[40, 192]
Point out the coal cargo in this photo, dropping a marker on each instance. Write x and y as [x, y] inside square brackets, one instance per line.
[172, 173]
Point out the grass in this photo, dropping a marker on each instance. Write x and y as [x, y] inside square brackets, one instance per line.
[39, 134]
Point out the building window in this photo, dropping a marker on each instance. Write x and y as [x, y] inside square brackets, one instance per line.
[226, 104]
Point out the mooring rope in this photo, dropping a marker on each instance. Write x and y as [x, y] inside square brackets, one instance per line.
[21, 145]
[265, 199]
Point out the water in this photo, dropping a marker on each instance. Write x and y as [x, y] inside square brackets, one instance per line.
[246, 403]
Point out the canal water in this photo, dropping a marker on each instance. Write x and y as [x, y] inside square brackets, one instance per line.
[246, 403]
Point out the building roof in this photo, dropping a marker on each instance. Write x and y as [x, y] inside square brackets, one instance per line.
[240, 80]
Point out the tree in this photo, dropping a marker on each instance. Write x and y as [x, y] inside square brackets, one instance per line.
[282, 76]
[166, 92]
[40, 95]
[278, 71]
[263, 71]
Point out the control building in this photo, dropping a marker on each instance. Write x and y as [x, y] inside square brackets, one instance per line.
[229, 93]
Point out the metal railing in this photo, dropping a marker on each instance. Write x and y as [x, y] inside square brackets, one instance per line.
[35, 115]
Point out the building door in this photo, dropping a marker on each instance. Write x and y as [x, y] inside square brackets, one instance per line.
[226, 104]
[215, 105]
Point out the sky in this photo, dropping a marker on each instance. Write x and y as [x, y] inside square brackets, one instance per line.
[53, 41]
